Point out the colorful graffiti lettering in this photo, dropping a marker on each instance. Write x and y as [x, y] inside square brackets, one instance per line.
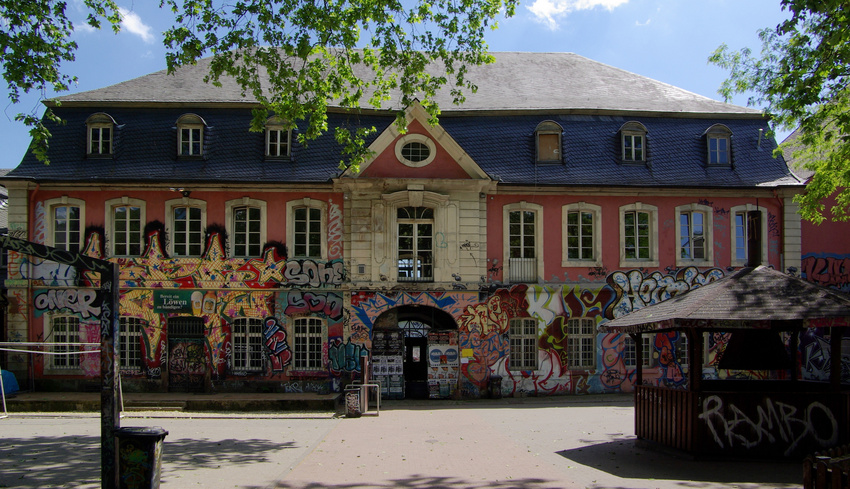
[335, 230]
[828, 271]
[275, 341]
[345, 357]
[326, 303]
[634, 290]
[84, 302]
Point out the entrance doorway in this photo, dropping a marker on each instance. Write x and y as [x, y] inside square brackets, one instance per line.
[186, 359]
[425, 340]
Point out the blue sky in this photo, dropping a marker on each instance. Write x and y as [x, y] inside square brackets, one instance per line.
[666, 40]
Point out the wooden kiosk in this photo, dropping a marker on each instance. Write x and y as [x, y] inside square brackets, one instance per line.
[773, 413]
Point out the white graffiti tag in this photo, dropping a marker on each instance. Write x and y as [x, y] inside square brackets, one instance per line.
[774, 423]
[78, 301]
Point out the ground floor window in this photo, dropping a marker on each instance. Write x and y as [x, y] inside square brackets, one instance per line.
[247, 337]
[523, 340]
[581, 342]
[309, 339]
[130, 353]
[64, 334]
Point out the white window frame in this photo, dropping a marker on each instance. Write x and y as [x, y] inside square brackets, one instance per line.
[647, 360]
[523, 336]
[733, 212]
[596, 213]
[407, 139]
[418, 268]
[230, 208]
[50, 207]
[548, 128]
[247, 338]
[632, 130]
[170, 205]
[307, 203]
[130, 336]
[190, 122]
[274, 125]
[308, 346]
[60, 361]
[717, 133]
[98, 123]
[652, 261]
[581, 344]
[109, 207]
[538, 239]
[708, 236]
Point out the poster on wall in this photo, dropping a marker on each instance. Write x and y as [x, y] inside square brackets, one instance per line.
[193, 302]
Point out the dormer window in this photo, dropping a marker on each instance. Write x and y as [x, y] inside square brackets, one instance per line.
[190, 135]
[99, 129]
[633, 142]
[548, 142]
[278, 139]
[719, 144]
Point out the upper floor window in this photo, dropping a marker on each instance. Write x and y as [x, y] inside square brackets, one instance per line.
[581, 342]
[308, 341]
[523, 238]
[719, 140]
[694, 225]
[131, 331]
[187, 219]
[522, 333]
[638, 235]
[190, 135]
[246, 220]
[415, 244]
[581, 238]
[66, 217]
[278, 138]
[415, 150]
[247, 339]
[125, 218]
[633, 142]
[547, 138]
[305, 228]
[100, 130]
[749, 238]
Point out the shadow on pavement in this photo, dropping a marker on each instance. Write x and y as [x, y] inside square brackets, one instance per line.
[591, 400]
[74, 461]
[625, 460]
[423, 482]
[50, 461]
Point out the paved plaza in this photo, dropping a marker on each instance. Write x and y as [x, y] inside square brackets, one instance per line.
[530, 443]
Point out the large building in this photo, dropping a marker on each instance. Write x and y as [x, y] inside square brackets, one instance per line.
[481, 253]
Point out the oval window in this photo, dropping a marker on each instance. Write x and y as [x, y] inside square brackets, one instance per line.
[415, 152]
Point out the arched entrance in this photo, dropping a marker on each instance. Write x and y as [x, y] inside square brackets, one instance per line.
[424, 340]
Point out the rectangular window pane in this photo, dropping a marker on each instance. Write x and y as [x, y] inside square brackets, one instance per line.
[522, 335]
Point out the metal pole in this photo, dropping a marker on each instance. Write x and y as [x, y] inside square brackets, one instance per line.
[110, 418]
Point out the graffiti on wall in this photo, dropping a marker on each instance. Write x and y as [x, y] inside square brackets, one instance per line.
[769, 422]
[827, 270]
[275, 341]
[83, 302]
[335, 230]
[328, 304]
[635, 289]
[345, 357]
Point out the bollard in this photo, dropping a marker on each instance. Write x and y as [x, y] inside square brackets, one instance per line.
[139, 456]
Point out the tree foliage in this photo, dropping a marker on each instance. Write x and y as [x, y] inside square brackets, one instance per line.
[801, 78]
[297, 58]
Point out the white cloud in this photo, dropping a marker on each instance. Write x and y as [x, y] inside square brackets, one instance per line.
[549, 11]
[134, 25]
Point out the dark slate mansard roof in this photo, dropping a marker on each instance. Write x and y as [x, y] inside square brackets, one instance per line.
[495, 126]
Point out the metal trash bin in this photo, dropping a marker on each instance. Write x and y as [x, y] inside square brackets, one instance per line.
[139, 456]
[495, 387]
[352, 402]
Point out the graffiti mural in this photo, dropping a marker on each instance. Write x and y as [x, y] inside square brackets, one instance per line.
[827, 270]
[275, 340]
[345, 357]
[83, 302]
[325, 303]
